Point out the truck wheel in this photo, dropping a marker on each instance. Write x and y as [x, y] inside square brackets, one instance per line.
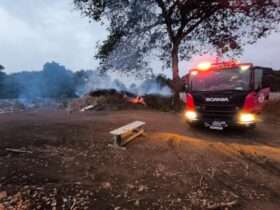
[193, 124]
[252, 127]
[249, 128]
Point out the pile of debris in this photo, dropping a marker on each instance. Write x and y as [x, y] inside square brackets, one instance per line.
[44, 103]
[10, 105]
[111, 99]
[19, 105]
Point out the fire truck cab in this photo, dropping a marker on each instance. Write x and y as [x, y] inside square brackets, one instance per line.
[225, 94]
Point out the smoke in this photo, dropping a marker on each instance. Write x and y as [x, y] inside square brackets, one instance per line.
[103, 81]
[54, 82]
[97, 81]
[153, 87]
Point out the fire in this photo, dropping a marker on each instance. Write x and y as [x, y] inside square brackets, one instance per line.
[137, 100]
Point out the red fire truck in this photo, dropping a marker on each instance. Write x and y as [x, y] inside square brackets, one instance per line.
[225, 94]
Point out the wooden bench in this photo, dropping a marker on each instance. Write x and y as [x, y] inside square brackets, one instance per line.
[127, 133]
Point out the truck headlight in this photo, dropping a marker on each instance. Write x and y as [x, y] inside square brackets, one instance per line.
[247, 118]
[191, 115]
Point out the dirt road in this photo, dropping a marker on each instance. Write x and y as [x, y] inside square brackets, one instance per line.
[172, 167]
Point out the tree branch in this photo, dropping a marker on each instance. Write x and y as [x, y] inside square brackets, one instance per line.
[167, 17]
[191, 28]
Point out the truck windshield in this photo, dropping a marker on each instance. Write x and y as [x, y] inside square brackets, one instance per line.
[220, 80]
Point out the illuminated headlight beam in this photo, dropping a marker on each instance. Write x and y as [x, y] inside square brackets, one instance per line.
[191, 115]
[247, 118]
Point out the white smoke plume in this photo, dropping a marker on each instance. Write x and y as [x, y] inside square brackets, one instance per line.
[103, 81]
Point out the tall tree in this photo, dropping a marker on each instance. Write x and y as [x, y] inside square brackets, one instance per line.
[176, 29]
[2, 80]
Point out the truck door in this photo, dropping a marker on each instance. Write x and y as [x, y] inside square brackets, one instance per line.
[262, 91]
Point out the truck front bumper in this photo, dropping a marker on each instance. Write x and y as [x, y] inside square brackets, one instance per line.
[221, 122]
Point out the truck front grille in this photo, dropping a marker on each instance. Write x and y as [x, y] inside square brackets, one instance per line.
[218, 111]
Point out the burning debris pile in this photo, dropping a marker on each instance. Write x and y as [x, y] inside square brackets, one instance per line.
[106, 100]
[101, 92]
[112, 99]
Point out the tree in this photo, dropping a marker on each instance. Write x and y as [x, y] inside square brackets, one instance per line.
[57, 81]
[2, 80]
[176, 29]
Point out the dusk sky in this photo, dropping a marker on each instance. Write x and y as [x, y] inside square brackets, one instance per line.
[36, 31]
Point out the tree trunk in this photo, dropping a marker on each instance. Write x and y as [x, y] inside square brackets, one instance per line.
[177, 83]
[175, 63]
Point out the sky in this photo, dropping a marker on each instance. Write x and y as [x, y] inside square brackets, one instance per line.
[33, 32]
[36, 31]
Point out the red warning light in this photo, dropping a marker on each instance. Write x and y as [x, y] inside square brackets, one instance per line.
[204, 66]
[245, 67]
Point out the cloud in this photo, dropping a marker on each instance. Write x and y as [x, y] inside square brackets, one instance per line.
[265, 52]
[33, 32]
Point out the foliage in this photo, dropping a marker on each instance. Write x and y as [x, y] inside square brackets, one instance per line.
[174, 29]
[2, 80]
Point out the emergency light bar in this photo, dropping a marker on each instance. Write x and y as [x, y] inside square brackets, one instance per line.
[205, 66]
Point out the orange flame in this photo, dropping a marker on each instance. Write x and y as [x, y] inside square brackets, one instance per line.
[137, 100]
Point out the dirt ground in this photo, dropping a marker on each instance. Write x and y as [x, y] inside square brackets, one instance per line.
[70, 166]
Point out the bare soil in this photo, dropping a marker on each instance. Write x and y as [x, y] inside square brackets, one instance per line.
[172, 167]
